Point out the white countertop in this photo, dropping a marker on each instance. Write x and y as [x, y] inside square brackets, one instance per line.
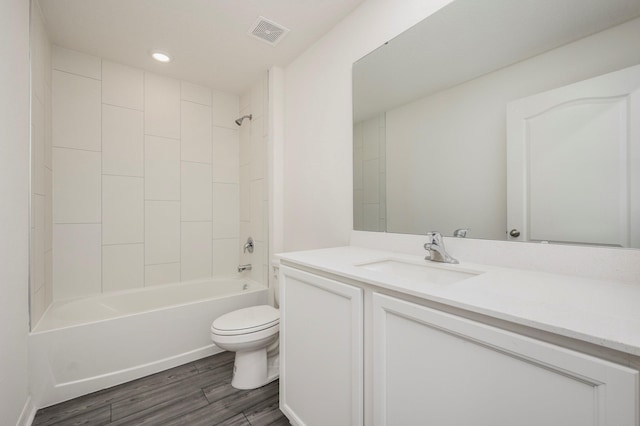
[604, 313]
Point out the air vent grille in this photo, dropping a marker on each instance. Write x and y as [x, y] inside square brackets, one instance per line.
[267, 31]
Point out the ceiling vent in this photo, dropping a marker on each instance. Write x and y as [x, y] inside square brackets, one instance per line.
[267, 31]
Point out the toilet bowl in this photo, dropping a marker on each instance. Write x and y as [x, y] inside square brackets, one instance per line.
[252, 333]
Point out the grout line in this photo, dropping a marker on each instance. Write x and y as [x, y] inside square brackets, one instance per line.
[125, 107]
[84, 150]
[101, 190]
[127, 176]
[165, 263]
[80, 75]
[197, 162]
[144, 179]
[121, 244]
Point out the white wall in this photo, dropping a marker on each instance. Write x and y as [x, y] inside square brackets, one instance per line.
[318, 203]
[446, 153]
[318, 124]
[41, 275]
[146, 178]
[14, 208]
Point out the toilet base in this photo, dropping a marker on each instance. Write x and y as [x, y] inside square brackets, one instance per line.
[253, 369]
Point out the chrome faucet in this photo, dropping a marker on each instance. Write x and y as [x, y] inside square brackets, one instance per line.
[248, 246]
[246, 267]
[460, 232]
[435, 247]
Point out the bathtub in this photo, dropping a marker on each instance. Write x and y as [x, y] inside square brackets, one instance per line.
[84, 345]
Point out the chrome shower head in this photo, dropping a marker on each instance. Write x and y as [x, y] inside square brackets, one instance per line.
[241, 119]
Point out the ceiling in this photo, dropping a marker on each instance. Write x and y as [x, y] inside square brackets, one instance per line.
[207, 38]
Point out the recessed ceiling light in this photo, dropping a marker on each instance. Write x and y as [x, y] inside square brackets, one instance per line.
[161, 56]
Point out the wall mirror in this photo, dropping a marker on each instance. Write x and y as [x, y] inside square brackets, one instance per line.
[510, 120]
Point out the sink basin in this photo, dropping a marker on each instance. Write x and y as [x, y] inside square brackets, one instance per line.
[419, 271]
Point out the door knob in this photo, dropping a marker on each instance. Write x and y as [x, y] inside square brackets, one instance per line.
[514, 233]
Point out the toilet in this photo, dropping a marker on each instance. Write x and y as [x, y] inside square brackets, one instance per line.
[252, 333]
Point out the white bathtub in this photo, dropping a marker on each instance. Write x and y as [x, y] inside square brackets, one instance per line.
[83, 345]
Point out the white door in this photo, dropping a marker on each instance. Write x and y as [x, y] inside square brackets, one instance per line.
[573, 162]
[433, 368]
[321, 350]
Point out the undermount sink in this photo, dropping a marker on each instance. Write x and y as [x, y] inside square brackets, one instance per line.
[426, 272]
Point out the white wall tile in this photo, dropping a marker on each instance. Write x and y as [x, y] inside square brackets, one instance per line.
[225, 109]
[48, 210]
[122, 141]
[225, 210]
[226, 155]
[48, 119]
[162, 168]
[161, 106]
[38, 145]
[122, 267]
[48, 273]
[196, 246]
[76, 186]
[76, 260]
[196, 132]
[76, 112]
[257, 260]
[76, 62]
[257, 150]
[165, 273]
[371, 181]
[122, 210]
[245, 193]
[256, 202]
[38, 235]
[197, 193]
[162, 232]
[245, 143]
[195, 93]
[225, 257]
[122, 85]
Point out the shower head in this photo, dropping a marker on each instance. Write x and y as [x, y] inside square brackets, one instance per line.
[241, 119]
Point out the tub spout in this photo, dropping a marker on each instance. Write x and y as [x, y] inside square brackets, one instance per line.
[246, 267]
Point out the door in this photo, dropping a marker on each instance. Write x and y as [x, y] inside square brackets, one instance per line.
[573, 163]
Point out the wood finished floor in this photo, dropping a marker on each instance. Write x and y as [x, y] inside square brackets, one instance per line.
[198, 393]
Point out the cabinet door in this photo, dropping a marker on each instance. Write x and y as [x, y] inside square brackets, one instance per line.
[321, 350]
[433, 368]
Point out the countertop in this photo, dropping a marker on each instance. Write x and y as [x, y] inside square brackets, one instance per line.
[605, 313]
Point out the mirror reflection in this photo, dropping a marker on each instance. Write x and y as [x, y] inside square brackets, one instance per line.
[438, 146]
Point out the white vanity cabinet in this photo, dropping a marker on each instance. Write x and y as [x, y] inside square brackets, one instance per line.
[321, 350]
[434, 368]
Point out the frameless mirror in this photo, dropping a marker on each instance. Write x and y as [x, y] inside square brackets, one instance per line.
[475, 120]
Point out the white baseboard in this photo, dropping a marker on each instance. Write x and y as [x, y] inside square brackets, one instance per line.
[28, 413]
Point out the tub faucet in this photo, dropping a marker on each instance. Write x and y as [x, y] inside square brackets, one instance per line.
[246, 267]
[435, 247]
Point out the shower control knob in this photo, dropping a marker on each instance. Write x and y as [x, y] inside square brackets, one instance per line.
[514, 233]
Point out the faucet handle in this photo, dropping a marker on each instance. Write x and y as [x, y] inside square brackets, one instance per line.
[434, 237]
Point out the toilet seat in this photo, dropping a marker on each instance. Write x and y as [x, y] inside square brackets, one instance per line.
[247, 320]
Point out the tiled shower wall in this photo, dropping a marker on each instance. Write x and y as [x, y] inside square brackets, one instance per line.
[146, 173]
[369, 171]
[253, 178]
[41, 275]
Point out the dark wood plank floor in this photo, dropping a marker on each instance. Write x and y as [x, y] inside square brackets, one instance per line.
[198, 393]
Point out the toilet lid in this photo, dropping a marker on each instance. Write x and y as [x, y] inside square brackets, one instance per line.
[247, 320]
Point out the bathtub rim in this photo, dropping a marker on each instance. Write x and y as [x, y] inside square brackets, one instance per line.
[256, 286]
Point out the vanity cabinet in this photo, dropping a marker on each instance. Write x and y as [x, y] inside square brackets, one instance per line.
[321, 350]
[427, 366]
[434, 368]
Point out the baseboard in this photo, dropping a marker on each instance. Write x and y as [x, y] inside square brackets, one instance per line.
[28, 413]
